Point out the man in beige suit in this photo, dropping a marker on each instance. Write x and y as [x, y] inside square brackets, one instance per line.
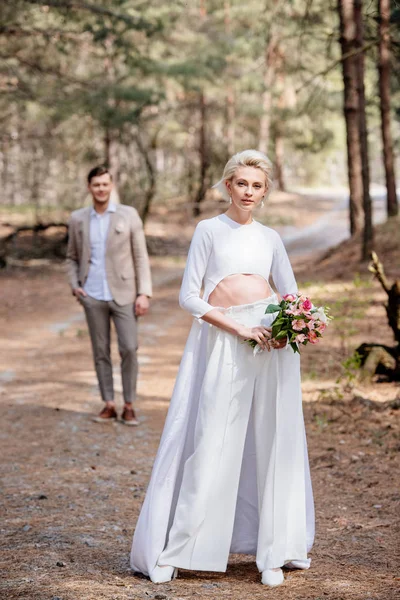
[109, 274]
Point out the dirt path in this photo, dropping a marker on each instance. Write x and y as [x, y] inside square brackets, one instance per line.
[331, 226]
[72, 489]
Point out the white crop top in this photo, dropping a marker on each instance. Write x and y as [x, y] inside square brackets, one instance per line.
[221, 247]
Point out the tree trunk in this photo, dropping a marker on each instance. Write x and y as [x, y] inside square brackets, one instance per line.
[112, 161]
[230, 121]
[384, 95]
[151, 173]
[230, 99]
[204, 161]
[351, 115]
[393, 292]
[367, 205]
[279, 154]
[269, 76]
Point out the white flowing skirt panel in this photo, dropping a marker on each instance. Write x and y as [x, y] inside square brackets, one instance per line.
[231, 473]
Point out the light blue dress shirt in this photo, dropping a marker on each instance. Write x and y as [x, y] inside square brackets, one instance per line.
[96, 284]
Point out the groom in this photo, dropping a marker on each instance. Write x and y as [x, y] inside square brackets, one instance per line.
[109, 274]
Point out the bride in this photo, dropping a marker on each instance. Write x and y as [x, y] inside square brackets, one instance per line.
[231, 474]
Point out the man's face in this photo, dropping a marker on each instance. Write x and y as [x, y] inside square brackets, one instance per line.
[100, 187]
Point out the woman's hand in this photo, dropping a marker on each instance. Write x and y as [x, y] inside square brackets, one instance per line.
[260, 334]
[279, 344]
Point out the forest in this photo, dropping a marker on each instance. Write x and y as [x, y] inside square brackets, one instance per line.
[164, 93]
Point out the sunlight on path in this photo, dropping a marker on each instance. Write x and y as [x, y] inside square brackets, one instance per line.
[331, 228]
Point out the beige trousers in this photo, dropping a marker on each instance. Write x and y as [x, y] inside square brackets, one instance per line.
[98, 316]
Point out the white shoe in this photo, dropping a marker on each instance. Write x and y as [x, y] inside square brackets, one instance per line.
[163, 574]
[299, 564]
[272, 577]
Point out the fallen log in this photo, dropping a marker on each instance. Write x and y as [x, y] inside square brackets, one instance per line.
[39, 227]
[378, 358]
[56, 247]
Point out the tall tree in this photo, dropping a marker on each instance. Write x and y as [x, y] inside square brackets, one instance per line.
[268, 78]
[351, 113]
[230, 112]
[203, 154]
[367, 205]
[384, 100]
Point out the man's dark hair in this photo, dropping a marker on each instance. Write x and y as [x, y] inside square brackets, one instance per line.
[97, 171]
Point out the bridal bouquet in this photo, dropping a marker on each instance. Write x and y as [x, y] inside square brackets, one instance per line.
[298, 320]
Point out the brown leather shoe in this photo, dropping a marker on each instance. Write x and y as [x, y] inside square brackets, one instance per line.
[107, 415]
[128, 416]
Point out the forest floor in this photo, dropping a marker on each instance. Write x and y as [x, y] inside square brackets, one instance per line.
[72, 489]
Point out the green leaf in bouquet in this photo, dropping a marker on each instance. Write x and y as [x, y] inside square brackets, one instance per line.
[275, 330]
[278, 321]
[282, 334]
[295, 347]
[272, 308]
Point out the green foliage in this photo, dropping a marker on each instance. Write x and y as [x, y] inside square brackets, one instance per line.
[351, 366]
[321, 421]
[80, 333]
[120, 81]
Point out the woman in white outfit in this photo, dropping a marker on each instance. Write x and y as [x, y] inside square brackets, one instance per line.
[231, 473]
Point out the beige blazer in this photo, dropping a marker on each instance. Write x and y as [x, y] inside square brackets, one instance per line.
[127, 261]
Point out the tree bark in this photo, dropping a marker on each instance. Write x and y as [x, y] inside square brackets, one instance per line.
[151, 173]
[269, 76]
[230, 121]
[351, 115]
[384, 96]
[204, 160]
[279, 154]
[112, 161]
[367, 205]
[230, 112]
[393, 292]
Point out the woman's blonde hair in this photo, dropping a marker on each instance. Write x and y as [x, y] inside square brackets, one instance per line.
[246, 158]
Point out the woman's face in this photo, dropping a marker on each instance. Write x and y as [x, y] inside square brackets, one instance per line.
[247, 188]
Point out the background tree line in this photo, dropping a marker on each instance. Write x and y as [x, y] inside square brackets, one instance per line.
[165, 92]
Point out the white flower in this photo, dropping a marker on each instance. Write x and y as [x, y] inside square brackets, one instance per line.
[257, 349]
[321, 315]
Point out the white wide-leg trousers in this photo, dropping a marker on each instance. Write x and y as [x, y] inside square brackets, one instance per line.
[257, 398]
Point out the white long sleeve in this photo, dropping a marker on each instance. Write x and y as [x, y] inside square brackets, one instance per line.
[221, 247]
[281, 269]
[196, 265]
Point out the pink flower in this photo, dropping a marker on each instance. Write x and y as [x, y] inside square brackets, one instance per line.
[298, 324]
[289, 297]
[293, 311]
[312, 337]
[321, 327]
[310, 325]
[300, 338]
[307, 304]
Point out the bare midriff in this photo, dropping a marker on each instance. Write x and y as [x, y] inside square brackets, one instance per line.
[240, 288]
